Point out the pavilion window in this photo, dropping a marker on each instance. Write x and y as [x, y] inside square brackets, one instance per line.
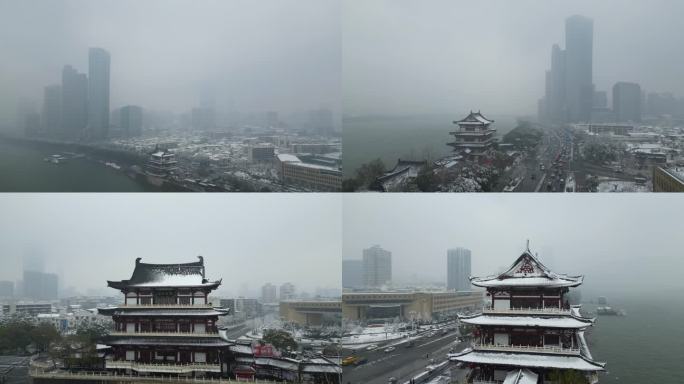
[165, 326]
[551, 340]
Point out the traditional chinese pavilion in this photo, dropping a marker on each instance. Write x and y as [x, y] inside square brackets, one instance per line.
[166, 324]
[529, 333]
[474, 136]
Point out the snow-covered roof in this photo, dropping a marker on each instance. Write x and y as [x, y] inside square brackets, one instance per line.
[286, 157]
[169, 341]
[533, 360]
[559, 321]
[189, 311]
[527, 271]
[166, 275]
[474, 118]
[521, 376]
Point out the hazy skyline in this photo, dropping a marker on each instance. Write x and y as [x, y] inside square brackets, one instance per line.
[279, 55]
[245, 239]
[621, 243]
[442, 56]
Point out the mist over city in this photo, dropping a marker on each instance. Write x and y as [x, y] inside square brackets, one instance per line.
[87, 240]
[613, 241]
[454, 56]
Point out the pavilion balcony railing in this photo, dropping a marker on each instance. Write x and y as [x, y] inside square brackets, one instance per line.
[165, 368]
[473, 133]
[166, 306]
[548, 349]
[101, 376]
[526, 311]
[208, 333]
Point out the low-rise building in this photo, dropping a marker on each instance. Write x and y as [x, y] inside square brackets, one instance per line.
[294, 171]
[668, 179]
[311, 312]
[424, 306]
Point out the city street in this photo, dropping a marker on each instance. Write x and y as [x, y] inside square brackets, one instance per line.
[403, 363]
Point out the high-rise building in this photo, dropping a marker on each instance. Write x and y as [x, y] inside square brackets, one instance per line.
[458, 269]
[203, 119]
[268, 293]
[352, 273]
[74, 103]
[579, 86]
[555, 87]
[52, 110]
[287, 291]
[377, 267]
[6, 289]
[600, 99]
[627, 102]
[40, 286]
[131, 120]
[98, 93]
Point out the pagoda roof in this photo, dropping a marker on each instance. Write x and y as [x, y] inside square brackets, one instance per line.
[521, 376]
[527, 271]
[169, 341]
[188, 275]
[180, 312]
[531, 360]
[557, 321]
[474, 118]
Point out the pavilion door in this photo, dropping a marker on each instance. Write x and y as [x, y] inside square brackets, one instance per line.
[502, 303]
[185, 356]
[501, 339]
[146, 356]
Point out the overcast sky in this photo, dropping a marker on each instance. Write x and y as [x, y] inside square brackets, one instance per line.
[255, 55]
[246, 239]
[621, 243]
[441, 56]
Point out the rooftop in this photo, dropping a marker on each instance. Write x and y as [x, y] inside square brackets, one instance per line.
[527, 271]
[166, 275]
[531, 360]
[474, 118]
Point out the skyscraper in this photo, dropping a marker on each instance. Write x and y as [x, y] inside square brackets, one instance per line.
[579, 88]
[352, 273]
[40, 286]
[74, 103]
[98, 93]
[377, 267]
[268, 293]
[131, 118]
[52, 110]
[287, 291]
[458, 269]
[627, 102]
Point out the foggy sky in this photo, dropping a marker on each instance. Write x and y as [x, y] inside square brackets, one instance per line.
[253, 55]
[246, 239]
[621, 243]
[441, 56]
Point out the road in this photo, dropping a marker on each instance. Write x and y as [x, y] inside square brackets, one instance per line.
[403, 363]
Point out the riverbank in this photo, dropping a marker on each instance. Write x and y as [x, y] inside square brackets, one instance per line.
[23, 168]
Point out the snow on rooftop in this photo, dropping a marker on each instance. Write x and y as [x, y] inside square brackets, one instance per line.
[528, 321]
[522, 376]
[527, 360]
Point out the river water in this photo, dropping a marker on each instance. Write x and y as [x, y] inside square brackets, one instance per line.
[645, 346]
[22, 169]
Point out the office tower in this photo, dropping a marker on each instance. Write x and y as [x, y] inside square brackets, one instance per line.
[600, 99]
[98, 93]
[627, 102]
[6, 289]
[458, 269]
[555, 87]
[131, 120]
[352, 273]
[287, 291]
[74, 103]
[40, 286]
[268, 293]
[52, 110]
[377, 267]
[579, 88]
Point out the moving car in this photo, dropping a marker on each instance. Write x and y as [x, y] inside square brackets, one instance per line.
[389, 349]
[349, 360]
[372, 347]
